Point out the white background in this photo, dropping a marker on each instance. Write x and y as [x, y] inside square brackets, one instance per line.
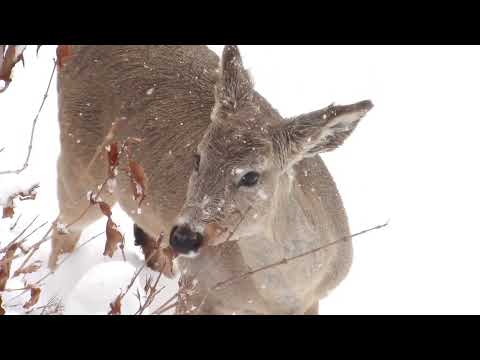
[413, 160]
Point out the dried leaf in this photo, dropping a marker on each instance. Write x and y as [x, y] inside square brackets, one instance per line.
[169, 255]
[116, 306]
[64, 52]
[8, 212]
[2, 310]
[113, 158]
[137, 177]
[28, 269]
[212, 232]
[8, 60]
[162, 262]
[30, 194]
[91, 197]
[5, 265]
[105, 208]
[34, 296]
[114, 238]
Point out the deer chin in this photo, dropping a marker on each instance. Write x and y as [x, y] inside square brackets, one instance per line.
[190, 255]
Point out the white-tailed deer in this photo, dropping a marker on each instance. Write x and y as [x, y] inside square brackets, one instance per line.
[214, 152]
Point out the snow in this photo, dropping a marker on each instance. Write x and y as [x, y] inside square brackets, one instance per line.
[402, 162]
[19, 49]
[62, 228]
[11, 184]
[105, 281]
[261, 193]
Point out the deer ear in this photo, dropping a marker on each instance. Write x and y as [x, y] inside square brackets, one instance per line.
[319, 131]
[234, 87]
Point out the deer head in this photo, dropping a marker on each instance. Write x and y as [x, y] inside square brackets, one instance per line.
[244, 153]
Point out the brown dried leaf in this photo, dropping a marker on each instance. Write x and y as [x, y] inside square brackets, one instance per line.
[64, 52]
[114, 237]
[91, 197]
[28, 269]
[137, 177]
[169, 255]
[5, 265]
[162, 261]
[8, 212]
[8, 60]
[116, 306]
[34, 296]
[212, 232]
[113, 158]
[2, 310]
[105, 208]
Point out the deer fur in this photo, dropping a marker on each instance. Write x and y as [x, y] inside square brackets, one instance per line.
[183, 101]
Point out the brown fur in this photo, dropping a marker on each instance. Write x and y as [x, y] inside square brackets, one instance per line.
[195, 109]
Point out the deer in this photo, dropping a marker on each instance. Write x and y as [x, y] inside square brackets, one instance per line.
[216, 155]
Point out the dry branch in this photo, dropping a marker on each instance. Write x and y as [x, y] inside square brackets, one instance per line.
[30, 194]
[30, 146]
[284, 261]
[19, 235]
[234, 279]
[16, 222]
[118, 299]
[151, 292]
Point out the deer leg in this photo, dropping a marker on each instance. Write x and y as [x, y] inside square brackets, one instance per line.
[312, 310]
[73, 204]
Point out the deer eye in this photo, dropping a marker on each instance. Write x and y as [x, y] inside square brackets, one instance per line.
[196, 162]
[249, 179]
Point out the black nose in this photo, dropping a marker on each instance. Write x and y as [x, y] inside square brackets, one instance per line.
[183, 240]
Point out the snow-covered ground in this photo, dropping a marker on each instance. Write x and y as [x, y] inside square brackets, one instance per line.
[412, 160]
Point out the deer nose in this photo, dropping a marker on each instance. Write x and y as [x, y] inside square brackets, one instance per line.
[184, 241]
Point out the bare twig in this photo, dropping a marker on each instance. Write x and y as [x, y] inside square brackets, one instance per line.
[160, 310]
[284, 261]
[30, 146]
[228, 282]
[67, 257]
[16, 222]
[239, 223]
[36, 246]
[119, 298]
[137, 272]
[54, 303]
[80, 246]
[162, 307]
[165, 309]
[94, 201]
[19, 235]
[32, 232]
[122, 248]
[18, 289]
[108, 138]
[152, 293]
